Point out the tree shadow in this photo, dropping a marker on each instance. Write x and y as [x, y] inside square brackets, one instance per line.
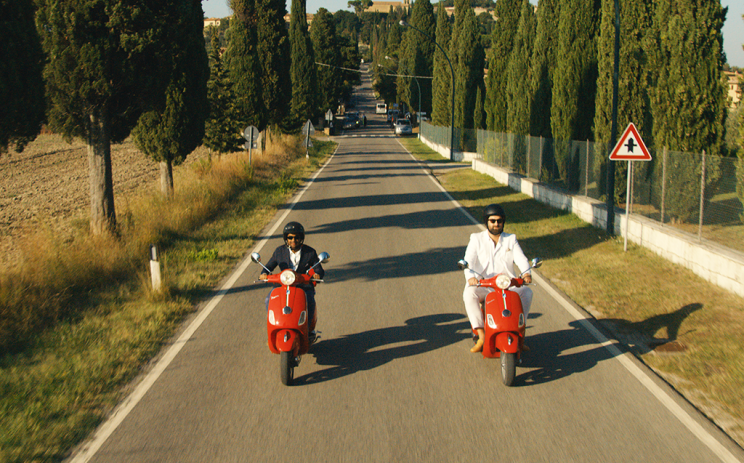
[371, 349]
[644, 332]
[429, 262]
[545, 359]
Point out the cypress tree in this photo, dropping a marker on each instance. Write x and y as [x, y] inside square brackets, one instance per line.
[103, 69]
[574, 81]
[502, 42]
[469, 71]
[21, 84]
[441, 102]
[519, 75]
[422, 17]
[632, 96]
[221, 127]
[175, 127]
[479, 117]
[323, 35]
[688, 96]
[275, 59]
[243, 67]
[303, 70]
[519, 78]
[543, 64]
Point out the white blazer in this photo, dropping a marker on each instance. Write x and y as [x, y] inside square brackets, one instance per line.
[489, 260]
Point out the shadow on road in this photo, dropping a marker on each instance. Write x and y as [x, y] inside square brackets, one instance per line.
[547, 360]
[370, 349]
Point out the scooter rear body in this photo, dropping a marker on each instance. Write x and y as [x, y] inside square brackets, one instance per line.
[504, 324]
[287, 321]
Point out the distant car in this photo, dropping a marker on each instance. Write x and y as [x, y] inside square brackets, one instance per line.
[381, 108]
[352, 120]
[403, 127]
[392, 115]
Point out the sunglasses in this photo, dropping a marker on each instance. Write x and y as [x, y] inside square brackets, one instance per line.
[293, 237]
[498, 221]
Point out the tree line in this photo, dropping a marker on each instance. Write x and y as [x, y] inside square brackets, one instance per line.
[547, 70]
[102, 70]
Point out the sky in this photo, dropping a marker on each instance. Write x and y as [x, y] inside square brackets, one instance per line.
[733, 28]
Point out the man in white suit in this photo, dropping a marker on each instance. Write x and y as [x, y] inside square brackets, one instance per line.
[489, 253]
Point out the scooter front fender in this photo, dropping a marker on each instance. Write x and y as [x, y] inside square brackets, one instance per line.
[287, 341]
[502, 342]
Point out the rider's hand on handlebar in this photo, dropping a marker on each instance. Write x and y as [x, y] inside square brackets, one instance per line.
[473, 281]
[527, 279]
[263, 276]
[316, 276]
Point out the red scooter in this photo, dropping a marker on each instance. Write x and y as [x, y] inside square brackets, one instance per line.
[286, 323]
[504, 321]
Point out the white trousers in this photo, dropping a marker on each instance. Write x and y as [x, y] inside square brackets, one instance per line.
[473, 296]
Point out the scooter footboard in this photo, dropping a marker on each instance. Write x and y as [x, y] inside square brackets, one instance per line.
[507, 342]
[287, 341]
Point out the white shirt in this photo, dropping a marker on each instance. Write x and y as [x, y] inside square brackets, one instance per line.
[294, 258]
[489, 259]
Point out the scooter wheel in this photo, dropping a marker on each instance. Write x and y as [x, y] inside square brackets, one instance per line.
[508, 368]
[286, 363]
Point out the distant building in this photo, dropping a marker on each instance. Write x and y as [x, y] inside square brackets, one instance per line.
[384, 7]
[734, 87]
[212, 22]
[309, 16]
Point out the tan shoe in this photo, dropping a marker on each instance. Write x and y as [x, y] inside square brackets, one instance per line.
[478, 347]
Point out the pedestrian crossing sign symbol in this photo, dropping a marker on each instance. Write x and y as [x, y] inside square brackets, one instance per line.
[630, 147]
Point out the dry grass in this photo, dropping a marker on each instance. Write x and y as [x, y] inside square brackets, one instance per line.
[78, 315]
[642, 298]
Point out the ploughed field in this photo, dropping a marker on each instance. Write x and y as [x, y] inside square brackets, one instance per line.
[47, 185]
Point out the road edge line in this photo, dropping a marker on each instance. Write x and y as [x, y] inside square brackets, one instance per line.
[107, 428]
[662, 396]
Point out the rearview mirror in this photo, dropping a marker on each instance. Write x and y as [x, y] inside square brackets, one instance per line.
[462, 265]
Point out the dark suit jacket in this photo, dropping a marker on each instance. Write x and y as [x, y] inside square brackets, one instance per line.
[308, 258]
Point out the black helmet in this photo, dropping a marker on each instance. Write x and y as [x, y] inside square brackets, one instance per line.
[294, 228]
[493, 209]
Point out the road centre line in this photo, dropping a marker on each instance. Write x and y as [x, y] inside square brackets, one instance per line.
[89, 449]
[625, 359]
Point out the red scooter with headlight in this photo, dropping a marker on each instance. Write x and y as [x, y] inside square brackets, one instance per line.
[287, 321]
[504, 320]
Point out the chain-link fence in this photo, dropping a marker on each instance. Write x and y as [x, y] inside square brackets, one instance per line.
[696, 193]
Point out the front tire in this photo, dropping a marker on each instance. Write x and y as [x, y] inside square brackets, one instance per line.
[508, 368]
[286, 363]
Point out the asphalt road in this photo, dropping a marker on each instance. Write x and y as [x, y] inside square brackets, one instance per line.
[392, 378]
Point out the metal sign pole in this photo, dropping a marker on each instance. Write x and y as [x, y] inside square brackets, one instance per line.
[627, 205]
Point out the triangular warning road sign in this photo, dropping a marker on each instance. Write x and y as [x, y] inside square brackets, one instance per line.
[630, 147]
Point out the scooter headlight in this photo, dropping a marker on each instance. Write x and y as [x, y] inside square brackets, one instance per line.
[503, 281]
[287, 277]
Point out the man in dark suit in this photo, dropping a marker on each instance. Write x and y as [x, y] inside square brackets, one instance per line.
[297, 256]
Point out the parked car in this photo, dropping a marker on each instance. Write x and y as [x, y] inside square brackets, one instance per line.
[403, 127]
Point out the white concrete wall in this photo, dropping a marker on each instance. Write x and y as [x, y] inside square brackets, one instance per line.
[717, 264]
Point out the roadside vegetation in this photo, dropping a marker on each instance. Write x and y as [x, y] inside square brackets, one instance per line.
[685, 328]
[78, 316]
